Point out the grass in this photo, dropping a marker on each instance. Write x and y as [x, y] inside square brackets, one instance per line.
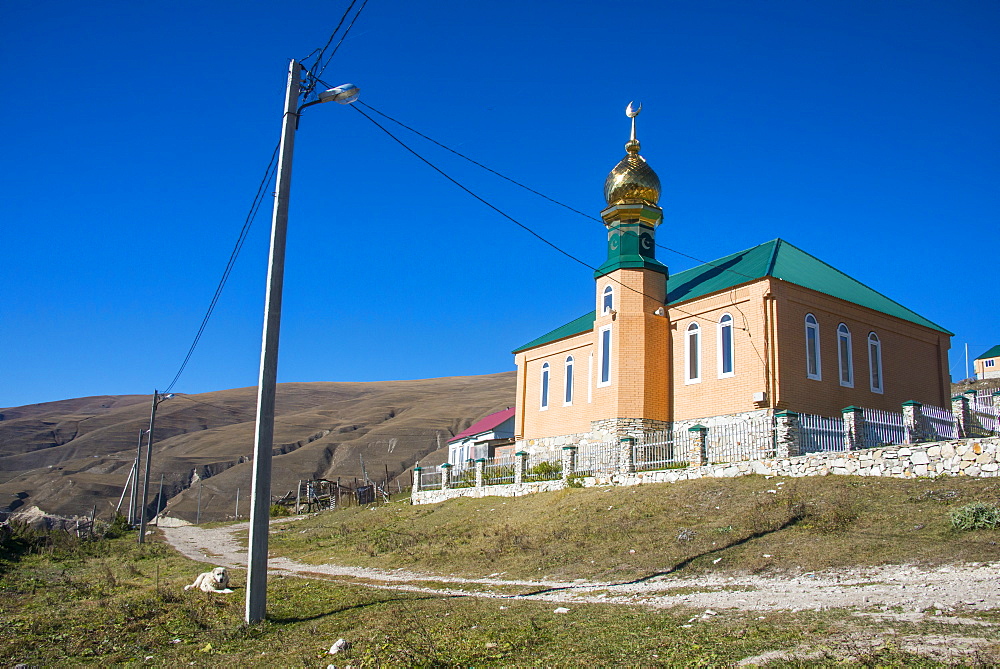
[113, 602]
[65, 602]
[750, 524]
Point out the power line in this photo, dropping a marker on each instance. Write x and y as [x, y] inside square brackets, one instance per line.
[319, 65]
[507, 216]
[240, 240]
[532, 190]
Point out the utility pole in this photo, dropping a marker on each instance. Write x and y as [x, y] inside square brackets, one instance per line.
[133, 517]
[260, 493]
[145, 474]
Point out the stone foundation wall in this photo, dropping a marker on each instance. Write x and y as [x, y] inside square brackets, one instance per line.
[505, 490]
[962, 457]
[616, 428]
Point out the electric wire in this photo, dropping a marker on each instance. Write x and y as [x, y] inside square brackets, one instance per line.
[532, 190]
[240, 240]
[509, 217]
[347, 31]
[312, 84]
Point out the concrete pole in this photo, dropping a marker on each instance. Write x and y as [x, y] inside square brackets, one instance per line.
[133, 517]
[159, 502]
[145, 475]
[237, 504]
[260, 494]
[197, 519]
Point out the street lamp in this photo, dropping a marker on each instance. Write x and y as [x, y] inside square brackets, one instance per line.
[157, 399]
[260, 494]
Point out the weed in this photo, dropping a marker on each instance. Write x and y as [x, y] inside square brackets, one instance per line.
[975, 516]
[279, 510]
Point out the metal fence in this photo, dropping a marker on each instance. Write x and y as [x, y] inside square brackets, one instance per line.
[941, 420]
[819, 434]
[498, 471]
[430, 479]
[738, 442]
[598, 458]
[463, 474]
[543, 467]
[663, 449]
[883, 428]
[984, 413]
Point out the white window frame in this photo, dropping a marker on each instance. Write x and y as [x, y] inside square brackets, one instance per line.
[568, 386]
[695, 330]
[607, 299]
[989, 362]
[725, 322]
[844, 336]
[813, 327]
[604, 355]
[875, 364]
[544, 383]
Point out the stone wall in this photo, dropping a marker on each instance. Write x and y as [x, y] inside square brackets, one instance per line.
[505, 490]
[960, 457]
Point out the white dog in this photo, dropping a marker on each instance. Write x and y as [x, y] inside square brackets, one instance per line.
[216, 580]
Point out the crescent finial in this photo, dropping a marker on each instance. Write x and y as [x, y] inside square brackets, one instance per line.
[632, 111]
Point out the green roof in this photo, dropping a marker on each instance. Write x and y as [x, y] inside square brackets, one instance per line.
[992, 353]
[776, 258]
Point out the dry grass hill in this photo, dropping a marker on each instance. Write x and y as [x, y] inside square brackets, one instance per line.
[64, 457]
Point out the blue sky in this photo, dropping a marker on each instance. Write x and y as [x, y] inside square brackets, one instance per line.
[135, 135]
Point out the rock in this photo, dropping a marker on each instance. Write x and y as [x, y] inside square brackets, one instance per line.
[561, 609]
[338, 646]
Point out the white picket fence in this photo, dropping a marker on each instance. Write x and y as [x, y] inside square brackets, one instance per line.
[818, 434]
[941, 420]
[883, 428]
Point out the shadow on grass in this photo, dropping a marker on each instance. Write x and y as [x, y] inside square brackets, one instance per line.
[677, 567]
[353, 607]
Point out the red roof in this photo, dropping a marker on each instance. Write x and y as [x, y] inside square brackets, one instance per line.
[484, 425]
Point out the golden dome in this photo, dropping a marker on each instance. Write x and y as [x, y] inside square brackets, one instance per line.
[632, 179]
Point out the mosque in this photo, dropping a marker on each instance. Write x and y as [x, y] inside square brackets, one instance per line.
[761, 330]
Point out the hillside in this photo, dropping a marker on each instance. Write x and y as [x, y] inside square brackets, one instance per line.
[66, 456]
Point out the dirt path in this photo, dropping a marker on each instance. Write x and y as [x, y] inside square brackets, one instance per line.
[914, 590]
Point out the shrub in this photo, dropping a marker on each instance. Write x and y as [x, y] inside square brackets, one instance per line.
[976, 516]
[279, 510]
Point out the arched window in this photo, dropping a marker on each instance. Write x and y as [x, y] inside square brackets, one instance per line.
[725, 339]
[545, 387]
[814, 368]
[875, 363]
[608, 300]
[845, 356]
[569, 381]
[604, 356]
[692, 353]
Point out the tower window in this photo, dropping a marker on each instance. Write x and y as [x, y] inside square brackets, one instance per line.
[569, 381]
[726, 346]
[607, 300]
[844, 356]
[875, 362]
[545, 387]
[692, 353]
[814, 369]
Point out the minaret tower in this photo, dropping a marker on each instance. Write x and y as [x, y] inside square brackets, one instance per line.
[632, 329]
